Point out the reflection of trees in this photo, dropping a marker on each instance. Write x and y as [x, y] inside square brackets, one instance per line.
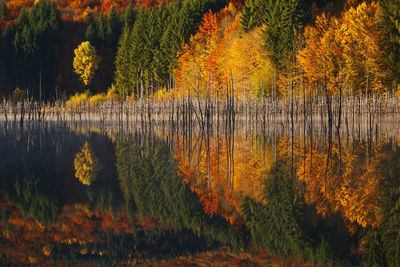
[207, 171]
[42, 157]
[34, 202]
[150, 177]
[382, 246]
[283, 224]
[86, 165]
[82, 237]
[345, 181]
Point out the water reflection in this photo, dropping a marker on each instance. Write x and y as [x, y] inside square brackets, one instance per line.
[131, 194]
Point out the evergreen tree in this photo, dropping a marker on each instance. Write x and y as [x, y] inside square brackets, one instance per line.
[250, 16]
[136, 49]
[283, 19]
[91, 34]
[124, 76]
[4, 12]
[129, 16]
[32, 45]
[114, 26]
[391, 31]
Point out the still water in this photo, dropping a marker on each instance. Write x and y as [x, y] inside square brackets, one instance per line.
[92, 194]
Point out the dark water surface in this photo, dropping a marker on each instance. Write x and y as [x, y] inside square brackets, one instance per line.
[90, 194]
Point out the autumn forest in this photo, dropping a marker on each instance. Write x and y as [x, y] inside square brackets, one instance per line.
[199, 132]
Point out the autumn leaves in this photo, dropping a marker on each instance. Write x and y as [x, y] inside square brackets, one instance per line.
[86, 62]
[347, 51]
[220, 53]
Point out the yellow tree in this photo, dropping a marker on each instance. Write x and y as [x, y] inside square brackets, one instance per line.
[86, 165]
[86, 62]
[346, 52]
[363, 48]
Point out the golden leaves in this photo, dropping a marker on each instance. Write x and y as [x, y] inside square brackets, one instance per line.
[219, 53]
[348, 50]
[86, 165]
[86, 62]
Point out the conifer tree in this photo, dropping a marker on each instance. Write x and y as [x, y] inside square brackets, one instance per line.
[32, 43]
[391, 31]
[124, 74]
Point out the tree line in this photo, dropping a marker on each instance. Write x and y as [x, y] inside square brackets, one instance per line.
[323, 47]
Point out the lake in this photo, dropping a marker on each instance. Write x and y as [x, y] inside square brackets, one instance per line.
[75, 193]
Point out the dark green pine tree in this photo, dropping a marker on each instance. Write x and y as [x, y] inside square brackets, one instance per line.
[160, 62]
[283, 19]
[32, 47]
[129, 15]
[391, 32]
[151, 40]
[114, 26]
[137, 49]
[124, 74]
[250, 15]
[158, 30]
[91, 34]
[102, 23]
[4, 12]
[280, 29]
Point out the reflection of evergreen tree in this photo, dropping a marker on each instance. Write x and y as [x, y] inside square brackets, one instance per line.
[278, 228]
[33, 201]
[381, 247]
[372, 248]
[151, 178]
[390, 224]
[280, 225]
[152, 243]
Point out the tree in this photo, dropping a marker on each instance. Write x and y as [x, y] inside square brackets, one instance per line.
[86, 62]
[390, 18]
[4, 12]
[282, 22]
[124, 75]
[30, 46]
[33, 201]
[250, 16]
[86, 165]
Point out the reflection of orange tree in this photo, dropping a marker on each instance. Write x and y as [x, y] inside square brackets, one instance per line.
[24, 240]
[215, 188]
[355, 191]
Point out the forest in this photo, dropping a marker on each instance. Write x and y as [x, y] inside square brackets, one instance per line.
[98, 50]
[190, 126]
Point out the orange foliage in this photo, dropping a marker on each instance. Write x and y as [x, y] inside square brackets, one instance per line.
[77, 10]
[219, 55]
[220, 178]
[15, 6]
[26, 241]
[350, 184]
